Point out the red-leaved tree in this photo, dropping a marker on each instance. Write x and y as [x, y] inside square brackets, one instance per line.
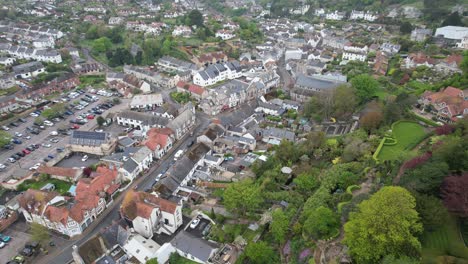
[416, 161]
[454, 192]
[445, 129]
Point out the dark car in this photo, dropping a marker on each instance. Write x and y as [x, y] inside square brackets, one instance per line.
[30, 148]
[14, 124]
[190, 144]
[36, 146]
[35, 132]
[22, 120]
[50, 156]
[21, 154]
[15, 157]
[60, 150]
[29, 128]
[46, 159]
[8, 146]
[27, 251]
[16, 141]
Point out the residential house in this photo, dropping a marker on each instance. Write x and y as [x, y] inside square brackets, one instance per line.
[149, 214]
[235, 144]
[269, 109]
[390, 48]
[140, 121]
[336, 43]
[131, 162]
[95, 143]
[184, 121]
[209, 136]
[418, 59]
[274, 136]
[142, 250]
[194, 248]
[450, 65]
[7, 80]
[225, 96]
[335, 15]
[211, 58]
[158, 78]
[380, 66]
[28, 70]
[449, 104]
[171, 64]
[146, 102]
[71, 215]
[225, 34]
[454, 33]
[183, 31]
[159, 141]
[420, 34]
[5, 61]
[115, 21]
[463, 44]
[368, 16]
[294, 43]
[218, 72]
[195, 91]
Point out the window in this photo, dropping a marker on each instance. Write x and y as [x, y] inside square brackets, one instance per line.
[137, 251]
[166, 221]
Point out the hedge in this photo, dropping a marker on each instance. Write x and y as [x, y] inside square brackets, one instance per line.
[425, 120]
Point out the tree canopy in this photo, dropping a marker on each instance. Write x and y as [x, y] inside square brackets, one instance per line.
[5, 138]
[455, 194]
[366, 87]
[279, 225]
[385, 224]
[322, 223]
[260, 253]
[242, 196]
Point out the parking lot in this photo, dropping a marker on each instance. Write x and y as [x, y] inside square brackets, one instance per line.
[49, 148]
[75, 160]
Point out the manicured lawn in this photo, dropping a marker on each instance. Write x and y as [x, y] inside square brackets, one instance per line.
[445, 241]
[60, 186]
[406, 133]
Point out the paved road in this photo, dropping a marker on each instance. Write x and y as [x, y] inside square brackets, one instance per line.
[63, 255]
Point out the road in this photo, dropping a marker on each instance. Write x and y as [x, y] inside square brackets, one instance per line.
[64, 254]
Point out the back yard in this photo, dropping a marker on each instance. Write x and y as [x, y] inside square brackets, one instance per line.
[407, 134]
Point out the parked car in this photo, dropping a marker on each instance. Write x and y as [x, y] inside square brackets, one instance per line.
[2, 244]
[27, 137]
[21, 154]
[4, 238]
[16, 141]
[194, 223]
[35, 167]
[50, 156]
[46, 145]
[5, 128]
[60, 150]
[36, 146]
[30, 148]
[54, 140]
[90, 117]
[75, 126]
[14, 124]
[35, 132]
[26, 152]
[20, 259]
[85, 158]
[46, 159]
[11, 160]
[53, 133]
[22, 120]
[27, 251]
[8, 146]
[2, 166]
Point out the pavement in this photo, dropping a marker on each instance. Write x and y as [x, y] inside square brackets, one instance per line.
[38, 155]
[64, 254]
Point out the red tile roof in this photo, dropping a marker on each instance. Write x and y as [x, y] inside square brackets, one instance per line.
[59, 171]
[142, 204]
[157, 137]
[454, 58]
[421, 58]
[451, 97]
[193, 88]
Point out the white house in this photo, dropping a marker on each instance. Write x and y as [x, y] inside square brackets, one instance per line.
[335, 15]
[7, 61]
[146, 101]
[452, 32]
[144, 249]
[225, 34]
[368, 16]
[150, 214]
[218, 72]
[183, 31]
[28, 70]
[354, 56]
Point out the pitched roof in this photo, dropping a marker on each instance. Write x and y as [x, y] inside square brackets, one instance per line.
[59, 171]
[193, 88]
[157, 137]
[188, 243]
[142, 204]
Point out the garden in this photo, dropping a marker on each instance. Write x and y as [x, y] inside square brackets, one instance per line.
[405, 135]
[61, 187]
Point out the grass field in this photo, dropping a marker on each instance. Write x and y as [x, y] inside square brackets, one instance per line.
[60, 186]
[445, 241]
[405, 133]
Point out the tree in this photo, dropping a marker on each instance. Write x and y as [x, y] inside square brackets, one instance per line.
[279, 225]
[322, 223]
[152, 261]
[39, 233]
[453, 19]
[242, 196]
[426, 178]
[391, 259]
[344, 101]
[432, 211]
[100, 120]
[366, 87]
[306, 183]
[371, 120]
[195, 17]
[385, 224]
[101, 45]
[453, 152]
[287, 152]
[454, 192]
[406, 28]
[5, 138]
[260, 253]
[54, 111]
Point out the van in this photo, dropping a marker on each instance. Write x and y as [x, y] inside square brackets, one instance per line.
[178, 154]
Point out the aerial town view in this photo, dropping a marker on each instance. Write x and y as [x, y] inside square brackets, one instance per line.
[233, 131]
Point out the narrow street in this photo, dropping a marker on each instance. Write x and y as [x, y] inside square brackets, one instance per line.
[64, 254]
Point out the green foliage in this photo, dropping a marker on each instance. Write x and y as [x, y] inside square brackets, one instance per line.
[180, 97]
[260, 253]
[366, 87]
[405, 133]
[119, 57]
[306, 183]
[61, 187]
[322, 223]
[100, 121]
[5, 138]
[391, 259]
[386, 224]
[152, 261]
[406, 27]
[426, 178]
[355, 68]
[279, 225]
[194, 18]
[101, 45]
[175, 258]
[249, 30]
[453, 151]
[453, 19]
[431, 210]
[39, 233]
[243, 196]
[54, 111]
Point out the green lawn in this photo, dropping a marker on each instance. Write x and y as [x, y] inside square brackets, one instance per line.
[60, 186]
[445, 241]
[406, 133]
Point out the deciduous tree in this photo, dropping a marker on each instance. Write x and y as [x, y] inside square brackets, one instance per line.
[454, 191]
[242, 196]
[366, 87]
[279, 225]
[432, 211]
[39, 233]
[385, 224]
[260, 253]
[321, 223]
[5, 138]
[426, 178]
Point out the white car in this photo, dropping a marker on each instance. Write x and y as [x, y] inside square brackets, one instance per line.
[194, 223]
[2, 166]
[35, 167]
[99, 130]
[54, 133]
[27, 137]
[33, 114]
[18, 134]
[5, 128]
[2, 244]
[46, 145]
[85, 158]
[48, 123]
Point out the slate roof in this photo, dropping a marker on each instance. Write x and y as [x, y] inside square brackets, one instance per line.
[28, 67]
[147, 119]
[88, 138]
[200, 248]
[309, 82]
